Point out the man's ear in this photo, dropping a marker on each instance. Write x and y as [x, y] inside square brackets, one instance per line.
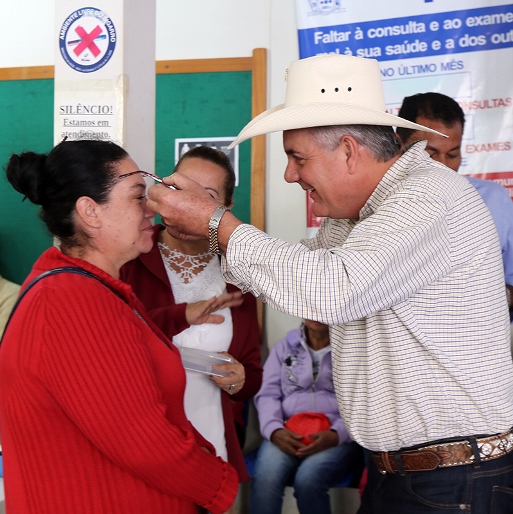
[88, 212]
[351, 150]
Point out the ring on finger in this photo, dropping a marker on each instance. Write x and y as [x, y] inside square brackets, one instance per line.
[231, 388]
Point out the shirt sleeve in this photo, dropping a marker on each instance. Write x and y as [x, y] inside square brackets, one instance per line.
[505, 229]
[247, 347]
[269, 398]
[365, 267]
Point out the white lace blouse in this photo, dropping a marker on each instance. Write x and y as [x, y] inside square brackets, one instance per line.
[194, 278]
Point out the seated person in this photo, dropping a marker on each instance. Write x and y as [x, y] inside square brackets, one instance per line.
[298, 379]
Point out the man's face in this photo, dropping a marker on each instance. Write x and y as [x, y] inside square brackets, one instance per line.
[446, 150]
[323, 173]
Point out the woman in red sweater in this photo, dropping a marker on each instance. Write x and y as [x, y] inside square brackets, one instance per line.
[91, 391]
[174, 281]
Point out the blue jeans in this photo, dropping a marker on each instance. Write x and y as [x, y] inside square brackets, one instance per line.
[311, 477]
[483, 489]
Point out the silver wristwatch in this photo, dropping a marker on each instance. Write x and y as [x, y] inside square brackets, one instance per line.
[213, 225]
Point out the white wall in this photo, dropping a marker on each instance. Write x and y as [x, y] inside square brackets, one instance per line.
[195, 30]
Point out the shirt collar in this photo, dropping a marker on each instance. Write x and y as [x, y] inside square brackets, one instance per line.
[412, 156]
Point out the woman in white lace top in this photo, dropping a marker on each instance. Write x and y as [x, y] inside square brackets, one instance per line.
[181, 285]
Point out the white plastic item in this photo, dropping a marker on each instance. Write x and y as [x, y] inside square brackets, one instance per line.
[202, 361]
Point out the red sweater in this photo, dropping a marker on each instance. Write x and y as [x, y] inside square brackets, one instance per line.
[148, 278]
[91, 406]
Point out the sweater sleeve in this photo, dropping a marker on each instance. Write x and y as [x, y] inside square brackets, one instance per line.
[156, 296]
[170, 319]
[100, 371]
[269, 399]
[245, 346]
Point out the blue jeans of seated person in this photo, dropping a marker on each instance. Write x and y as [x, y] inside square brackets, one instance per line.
[311, 477]
[483, 489]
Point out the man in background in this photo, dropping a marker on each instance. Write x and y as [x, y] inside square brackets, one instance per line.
[442, 113]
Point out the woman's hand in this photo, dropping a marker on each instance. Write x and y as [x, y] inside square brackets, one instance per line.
[233, 382]
[201, 312]
[287, 441]
[321, 441]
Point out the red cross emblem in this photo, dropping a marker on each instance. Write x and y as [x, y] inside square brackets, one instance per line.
[87, 40]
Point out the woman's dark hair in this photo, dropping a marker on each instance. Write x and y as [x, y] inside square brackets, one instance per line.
[56, 181]
[218, 157]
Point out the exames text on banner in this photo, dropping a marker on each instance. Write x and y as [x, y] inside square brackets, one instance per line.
[461, 48]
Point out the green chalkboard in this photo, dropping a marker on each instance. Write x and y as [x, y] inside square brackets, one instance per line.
[26, 123]
[189, 105]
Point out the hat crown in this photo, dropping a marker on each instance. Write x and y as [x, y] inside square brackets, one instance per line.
[328, 90]
[335, 79]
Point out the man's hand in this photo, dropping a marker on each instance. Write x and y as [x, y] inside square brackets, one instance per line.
[186, 211]
[287, 441]
[321, 441]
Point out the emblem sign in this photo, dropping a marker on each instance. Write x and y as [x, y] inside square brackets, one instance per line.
[87, 39]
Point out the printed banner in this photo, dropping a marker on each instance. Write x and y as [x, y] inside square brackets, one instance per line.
[461, 48]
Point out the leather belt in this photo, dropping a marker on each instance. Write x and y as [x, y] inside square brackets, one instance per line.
[445, 454]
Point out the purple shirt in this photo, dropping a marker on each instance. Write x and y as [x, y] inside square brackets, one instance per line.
[289, 387]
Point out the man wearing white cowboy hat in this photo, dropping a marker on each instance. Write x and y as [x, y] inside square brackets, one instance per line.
[406, 269]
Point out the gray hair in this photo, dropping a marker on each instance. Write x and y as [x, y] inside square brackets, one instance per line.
[380, 140]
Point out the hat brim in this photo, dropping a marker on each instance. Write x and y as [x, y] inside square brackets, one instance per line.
[319, 115]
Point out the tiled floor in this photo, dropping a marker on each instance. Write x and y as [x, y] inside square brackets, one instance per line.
[344, 500]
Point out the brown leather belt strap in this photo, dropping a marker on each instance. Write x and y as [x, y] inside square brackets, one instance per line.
[441, 454]
[419, 461]
[387, 463]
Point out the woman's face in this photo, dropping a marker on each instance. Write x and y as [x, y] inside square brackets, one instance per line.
[126, 221]
[209, 175]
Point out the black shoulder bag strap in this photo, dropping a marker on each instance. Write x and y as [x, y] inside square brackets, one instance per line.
[55, 271]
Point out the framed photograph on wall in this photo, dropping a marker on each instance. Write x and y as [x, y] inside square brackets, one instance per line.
[182, 145]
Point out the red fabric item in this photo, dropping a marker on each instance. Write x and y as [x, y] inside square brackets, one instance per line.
[363, 482]
[307, 423]
[148, 278]
[91, 406]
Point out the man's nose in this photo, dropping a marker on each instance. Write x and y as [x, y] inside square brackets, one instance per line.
[291, 174]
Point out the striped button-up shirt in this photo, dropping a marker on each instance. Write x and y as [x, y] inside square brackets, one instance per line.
[414, 294]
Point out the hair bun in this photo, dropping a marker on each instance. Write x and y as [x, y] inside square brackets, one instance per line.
[26, 173]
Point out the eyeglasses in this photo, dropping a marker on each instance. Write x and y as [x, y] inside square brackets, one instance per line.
[150, 175]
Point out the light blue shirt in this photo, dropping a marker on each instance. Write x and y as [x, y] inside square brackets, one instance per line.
[499, 203]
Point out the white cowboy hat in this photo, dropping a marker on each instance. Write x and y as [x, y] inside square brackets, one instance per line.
[328, 90]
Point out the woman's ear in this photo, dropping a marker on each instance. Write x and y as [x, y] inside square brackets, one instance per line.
[88, 212]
